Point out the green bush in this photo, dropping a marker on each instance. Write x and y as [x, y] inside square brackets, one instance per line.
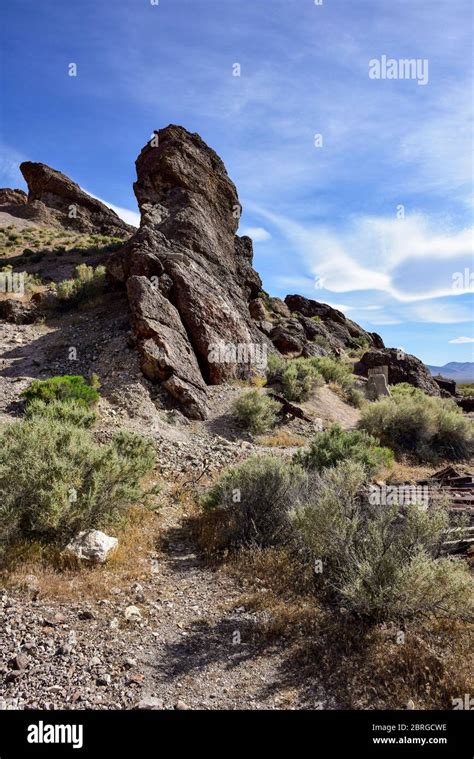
[335, 445]
[62, 388]
[297, 376]
[255, 499]
[86, 283]
[299, 379]
[352, 395]
[70, 412]
[426, 428]
[331, 369]
[55, 480]
[379, 561]
[255, 411]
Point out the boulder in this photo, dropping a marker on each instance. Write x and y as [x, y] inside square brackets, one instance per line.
[288, 336]
[279, 307]
[9, 197]
[337, 328]
[377, 387]
[402, 367]
[200, 271]
[17, 312]
[55, 199]
[448, 385]
[258, 310]
[93, 546]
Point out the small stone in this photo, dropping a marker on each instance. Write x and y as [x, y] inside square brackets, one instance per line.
[181, 706]
[20, 661]
[150, 702]
[132, 613]
[86, 614]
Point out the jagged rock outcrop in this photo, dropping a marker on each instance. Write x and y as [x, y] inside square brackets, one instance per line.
[320, 320]
[55, 200]
[11, 198]
[187, 271]
[402, 367]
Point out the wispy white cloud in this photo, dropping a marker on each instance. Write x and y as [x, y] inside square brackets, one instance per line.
[461, 340]
[258, 234]
[130, 217]
[409, 259]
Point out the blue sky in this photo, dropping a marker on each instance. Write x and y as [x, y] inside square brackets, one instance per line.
[377, 221]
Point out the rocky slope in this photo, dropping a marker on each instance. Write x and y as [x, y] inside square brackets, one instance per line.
[191, 285]
[198, 313]
[55, 200]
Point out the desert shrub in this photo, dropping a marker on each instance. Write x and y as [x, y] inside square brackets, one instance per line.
[275, 367]
[55, 480]
[361, 342]
[331, 369]
[297, 377]
[427, 428]
[86, 283]
[379, 562]
[466, 389]
[322, 341]
[63, 388]
[70, 412]
[353, 395]
[255, 498]
[255, 411]
[332, 446]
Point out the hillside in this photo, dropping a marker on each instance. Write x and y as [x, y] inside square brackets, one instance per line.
[228, 440]
[455, 370]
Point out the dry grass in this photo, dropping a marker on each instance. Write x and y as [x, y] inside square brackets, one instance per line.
[364, 666]
[406, 470]
[282, 438]
[45, 571]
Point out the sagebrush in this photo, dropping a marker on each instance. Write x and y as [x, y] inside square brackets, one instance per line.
[55, 480]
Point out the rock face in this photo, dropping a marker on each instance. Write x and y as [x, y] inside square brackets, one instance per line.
[55, 199]
[446, 385]
[189, 276]
[319, 319]
[12, 198]
[402, 367]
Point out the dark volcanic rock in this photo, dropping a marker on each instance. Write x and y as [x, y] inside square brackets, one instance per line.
[12, 198]
[54, 198]
[288, 336]
[187, 246]
[402, 367]
[448, 385]
[166, 354]
[336, 328]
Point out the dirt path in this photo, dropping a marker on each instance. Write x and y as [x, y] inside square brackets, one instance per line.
[193, 645]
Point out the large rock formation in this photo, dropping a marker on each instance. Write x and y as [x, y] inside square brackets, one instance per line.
[402, 367]
[54, 199]
[12, 198]
[189, 276]
[321, 320]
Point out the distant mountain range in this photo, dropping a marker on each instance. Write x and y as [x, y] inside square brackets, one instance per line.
[461, 372]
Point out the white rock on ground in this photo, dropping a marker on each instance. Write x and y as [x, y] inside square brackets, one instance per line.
[94, 546]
